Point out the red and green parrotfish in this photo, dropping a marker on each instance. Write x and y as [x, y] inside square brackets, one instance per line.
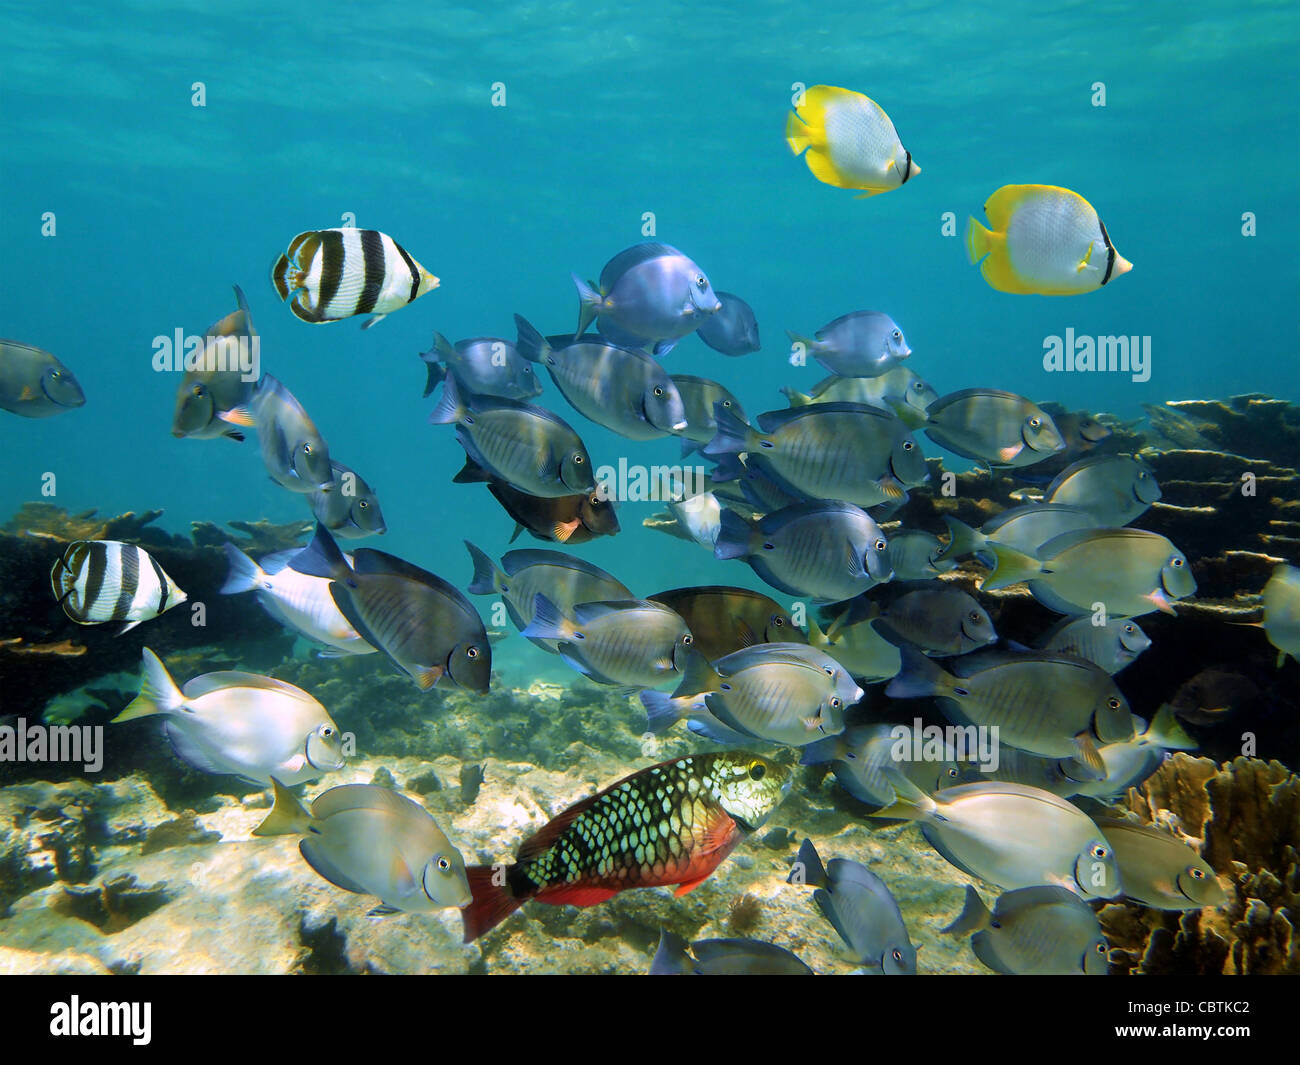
[673, 823]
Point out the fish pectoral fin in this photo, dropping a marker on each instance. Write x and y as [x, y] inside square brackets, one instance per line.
[721, 834]
[562, 530]
[1088, 754]
[372, 321]
[383, 910]
[1087, 256]
[689, 885]
[241, 416]
[813, 724]
[401, 877]
[426, 677]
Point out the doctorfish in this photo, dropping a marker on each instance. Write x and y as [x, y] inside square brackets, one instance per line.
[34, 383]
[670, 824]
[332, 274]
[213, 398]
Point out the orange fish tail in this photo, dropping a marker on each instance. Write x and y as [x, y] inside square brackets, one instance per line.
[492, 902]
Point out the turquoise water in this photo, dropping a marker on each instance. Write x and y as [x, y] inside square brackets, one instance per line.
[610, 112]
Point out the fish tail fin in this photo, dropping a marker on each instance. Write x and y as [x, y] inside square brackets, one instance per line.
[491, 903]
[734, 536]
[978, 240]
[433, 363]
[796, 398]
[321, 558]
[531, 344]
[732, 436]
[808, 864]
[797, 133]
[662, 711]
[974, 915]
[1165, 731]
[287, 817]
[670, 957]
[910, 802]
[472, 473]
[919, 676]
[1010, 567]
[816, 637]
[450, 407]
[548, 623]
[158, 692]
[244, 575]
[689, 446]
[823, 751]
[962, 539]
[589, 302]
[488, 578]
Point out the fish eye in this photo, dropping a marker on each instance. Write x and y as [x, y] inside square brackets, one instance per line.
[471, 652]
[702, 281]
[1101, 948]
[363, 503]
[726, 403]
[1035, 423]
[1113, 703]
[778, 621]
[908, 445]
[835, 703]
[578, 460]
[897, 954]
[1197, 874]
[881, 545]
[919, 385]
[198, 390]
[769, 547]
[595, 501]
[1176, 562]
[1099, 851]
[756, 770]
[443, 864]
[898, 334]
[974, 616]
[658, 391]
[687, 640]
[952, 772]
[306, 449]
[1128, 630]
[327, 732]
[55, 373]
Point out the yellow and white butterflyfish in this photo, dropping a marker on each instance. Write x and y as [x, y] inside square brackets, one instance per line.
[1045, 240]
[850, 141]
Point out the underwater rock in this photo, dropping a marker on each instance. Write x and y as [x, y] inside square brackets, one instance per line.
[183, 831]
[1247, 813]
[260, 537]
[382, 778]
[113, 905]
[65, 963]
[424, 783]
[40, 519]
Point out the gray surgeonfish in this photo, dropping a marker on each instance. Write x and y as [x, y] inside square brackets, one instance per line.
[371, 840]
[327, 275]
[699, 394]
[214, 397]
[1010, 835]
[733, 330]
[993, 427]
[723, 619]
[723, 957]
[860, 755]
[648, 294]
[96, 581]
[482, 366]
[1115, 489]
[859, 344]
[425, 626]
[1112, 646]
[858, 647]
[34, 384]
[1158, 870]
[528, 447]
[861, 909]
[1281, 598]
[1025, 528]
[1034, 931]
[245, 724]
[941, 621]
[295, 453]
[900, 391]
[350, 508]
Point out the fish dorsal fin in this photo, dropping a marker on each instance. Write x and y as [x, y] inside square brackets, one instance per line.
[1058, 544]
[513, 561]
[587, 613]
[773, 420]
[632, 257]
[544, 838]
[230, 678]
[370, 562]
[364, 797]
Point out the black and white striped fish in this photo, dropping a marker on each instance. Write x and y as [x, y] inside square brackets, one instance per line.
[332, 274]
[106, 580]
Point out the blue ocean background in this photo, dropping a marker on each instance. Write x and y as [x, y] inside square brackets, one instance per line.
[611, 111]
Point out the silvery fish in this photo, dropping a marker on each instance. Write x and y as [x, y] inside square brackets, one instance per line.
[784, 693]
[34, 383]
[213, 399]
[733, 330]
[699, 517]
[1129, 762]
[295, 454]
[1158, 870]
[1115, 489]
[699, 395]
[298, 601]
[350, 508]
[900, 391]
[858, 647]
[1054, 705]
[252, 726]
[1281, 598]
[1081, 431]
[563, 579]
[830, 551]
[1010, 835]
[1112, 646]
[916, 555]
[1024, 528]
[724, 619]
[844, 451]
[1034, 931]
[1129, 571]
[940, 621]
[620, 388]
[723, 957]
[425, 626]
[1060, 776]
[859, 344]
[861, 754]
[649, 294]
[628, 643]
[370, 840]
[992, 427]
[527, 447]
[107, 580]
[482, 366]
[861, 909]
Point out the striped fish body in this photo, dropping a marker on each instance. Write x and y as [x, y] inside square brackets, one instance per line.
[106, 580]
[671, 824]
[332, 274]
